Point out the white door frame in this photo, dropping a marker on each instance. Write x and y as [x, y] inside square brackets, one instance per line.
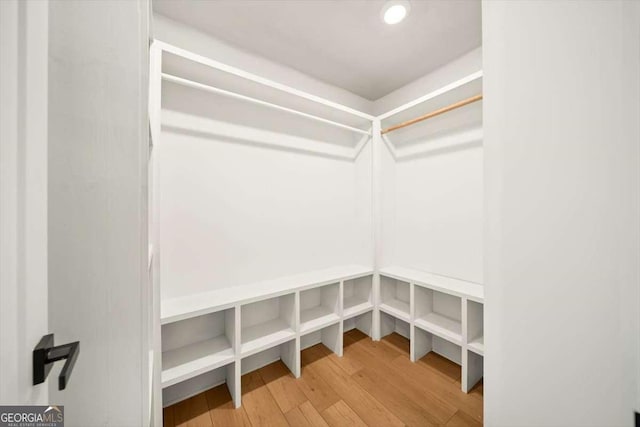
[23, 196]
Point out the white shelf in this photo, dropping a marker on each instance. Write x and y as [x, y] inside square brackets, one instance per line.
[354, 306]
[265, 335]
[477, 346]
[176, 309]
[452, 92]
[457, 287]
[396, 308]
[194, 359]
[316, 318]
[448, 329]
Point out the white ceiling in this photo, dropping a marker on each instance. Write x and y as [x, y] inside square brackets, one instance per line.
[341, 42]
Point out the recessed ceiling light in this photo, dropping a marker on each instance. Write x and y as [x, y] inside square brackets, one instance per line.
[395, 11]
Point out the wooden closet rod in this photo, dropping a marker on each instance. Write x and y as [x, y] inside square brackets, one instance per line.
[432, 114]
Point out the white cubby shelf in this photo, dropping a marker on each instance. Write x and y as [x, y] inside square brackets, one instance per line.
[357, 297]
[215, 337]
[197, 345]
[319, 307]
[437, 313]
[267, 323]
[394, 298]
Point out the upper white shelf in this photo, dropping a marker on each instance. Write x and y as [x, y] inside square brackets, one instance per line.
[452, 92]
[176, 309]
[448, 285]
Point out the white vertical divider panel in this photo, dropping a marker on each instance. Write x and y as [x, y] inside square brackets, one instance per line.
[290, 355]
[474, 367]
[331, 337]
[472, 363]
[376, 201]
[340, 351]
[423, 343]
[465, 353]
[233, 382]
[294, 362]
[234, 371]
[155, 111]
[412, 328]
[387, 324]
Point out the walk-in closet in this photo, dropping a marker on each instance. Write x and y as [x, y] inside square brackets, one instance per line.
[288, 212]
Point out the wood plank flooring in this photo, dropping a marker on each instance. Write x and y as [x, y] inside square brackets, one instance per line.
[373, 384]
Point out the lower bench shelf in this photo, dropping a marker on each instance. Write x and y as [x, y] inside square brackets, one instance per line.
[194, 359]
[259, 337]
[448, 329]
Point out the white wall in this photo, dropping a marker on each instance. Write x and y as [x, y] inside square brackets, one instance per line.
[236, 209]
[98, 143]
[23, 201]
[561, 110]
[432, 187]
[232, 213]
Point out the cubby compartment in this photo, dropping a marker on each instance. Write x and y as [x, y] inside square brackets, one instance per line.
[390, 324]
[395, 298]
[329, 336]
[267, 323]
[196, 345]
[319, 307]
[357, 296]
[475, 327]
[199, 383]
[439, 314]
[285, 351]
[363, 322]
[424, 342]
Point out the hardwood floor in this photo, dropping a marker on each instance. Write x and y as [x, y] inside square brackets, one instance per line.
[373, 384]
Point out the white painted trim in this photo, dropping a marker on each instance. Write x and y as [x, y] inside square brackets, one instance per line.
[24, 197]
[258, 79]
[155, 117]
